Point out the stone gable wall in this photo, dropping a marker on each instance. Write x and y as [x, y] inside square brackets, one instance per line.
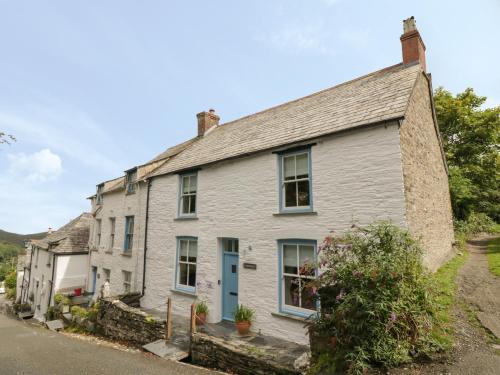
[428, 205]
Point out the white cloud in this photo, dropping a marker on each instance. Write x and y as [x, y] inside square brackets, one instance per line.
[330, 3]
[40, 166]
[301, 39]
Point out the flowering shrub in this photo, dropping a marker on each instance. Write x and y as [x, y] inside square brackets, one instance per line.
[376, 307]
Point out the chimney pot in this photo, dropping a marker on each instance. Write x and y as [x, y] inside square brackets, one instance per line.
[206, 121]
[412, 44]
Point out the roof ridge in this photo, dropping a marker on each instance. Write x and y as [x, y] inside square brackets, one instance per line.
[314, 93]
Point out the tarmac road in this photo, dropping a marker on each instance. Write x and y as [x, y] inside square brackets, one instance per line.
[29, 349]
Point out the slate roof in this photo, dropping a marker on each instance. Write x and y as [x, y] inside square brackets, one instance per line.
[70, 238]
[380, 96]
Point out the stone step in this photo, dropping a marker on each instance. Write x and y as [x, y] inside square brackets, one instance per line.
[167, 350]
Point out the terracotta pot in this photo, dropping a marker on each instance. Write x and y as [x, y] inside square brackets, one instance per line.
[243, 327]
[201, 318]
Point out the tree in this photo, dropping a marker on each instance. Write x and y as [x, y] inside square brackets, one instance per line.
[471, 141]
[6, 138]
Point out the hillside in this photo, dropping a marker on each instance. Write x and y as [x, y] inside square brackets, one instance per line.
[18, 239]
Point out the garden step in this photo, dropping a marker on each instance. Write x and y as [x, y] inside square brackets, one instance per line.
[166, 350]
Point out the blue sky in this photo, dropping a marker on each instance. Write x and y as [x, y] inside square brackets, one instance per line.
[92, 88]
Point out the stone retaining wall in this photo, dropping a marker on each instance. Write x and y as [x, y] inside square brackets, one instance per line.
[218, 353]
[117, 320]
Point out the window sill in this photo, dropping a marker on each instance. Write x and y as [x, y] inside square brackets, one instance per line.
[184, 292]
[297, 318]
[127, 253]
[180, 218]
[295, 213]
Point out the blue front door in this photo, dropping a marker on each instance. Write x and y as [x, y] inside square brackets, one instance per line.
[229, 278]
[94, 278]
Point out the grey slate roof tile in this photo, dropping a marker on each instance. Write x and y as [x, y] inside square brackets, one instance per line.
[70, 238]
[379, 96]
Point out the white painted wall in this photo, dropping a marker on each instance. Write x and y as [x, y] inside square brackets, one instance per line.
[71, 271]
[41, 274]
[118, 204]
[357, 177]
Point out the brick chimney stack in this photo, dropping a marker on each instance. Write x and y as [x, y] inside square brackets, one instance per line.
[207, 120]
[412, 44]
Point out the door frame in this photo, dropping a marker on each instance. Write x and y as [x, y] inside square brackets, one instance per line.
[223, 255]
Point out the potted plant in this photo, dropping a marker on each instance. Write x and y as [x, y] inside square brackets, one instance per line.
[243, 319]
[201, 313]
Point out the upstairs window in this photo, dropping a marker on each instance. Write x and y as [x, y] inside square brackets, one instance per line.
[98, 198]
[187, 203]
[295, 181]
[131, 181]
[99, 227]
[129, 233]
[112, 223]
[187, 255]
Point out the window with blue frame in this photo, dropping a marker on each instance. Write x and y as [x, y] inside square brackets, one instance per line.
[295, 181]
[187, 197]
[187, 254]
[297, 259]
[129, 233]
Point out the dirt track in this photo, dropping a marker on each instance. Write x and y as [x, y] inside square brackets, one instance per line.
[477, 316]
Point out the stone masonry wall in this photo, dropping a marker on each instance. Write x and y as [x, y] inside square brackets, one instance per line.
[119, 321]
[428, 205]
[217, 353]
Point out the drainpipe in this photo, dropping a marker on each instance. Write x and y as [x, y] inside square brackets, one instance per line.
[52, 280]
[145, 239]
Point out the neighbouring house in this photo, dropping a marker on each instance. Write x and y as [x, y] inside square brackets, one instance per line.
[57, 263]
[235, 213]
[117, 232]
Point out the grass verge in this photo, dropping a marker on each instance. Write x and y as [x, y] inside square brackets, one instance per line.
[446, 287]
[493, 255]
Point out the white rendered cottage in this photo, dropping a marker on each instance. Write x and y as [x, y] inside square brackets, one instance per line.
[56, 263]
[117, 231]
[234, 214]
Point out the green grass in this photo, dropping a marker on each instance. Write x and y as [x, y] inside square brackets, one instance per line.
[446, 287]
[493, 255]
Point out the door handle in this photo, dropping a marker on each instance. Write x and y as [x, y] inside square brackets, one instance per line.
[233, 293]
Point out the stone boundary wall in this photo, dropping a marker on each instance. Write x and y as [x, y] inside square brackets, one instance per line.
[119, 321]
[217, 353]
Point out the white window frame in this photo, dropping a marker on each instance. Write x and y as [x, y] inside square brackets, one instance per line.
[190, 193]
[178, 285]
[283, 182]
[127, 281]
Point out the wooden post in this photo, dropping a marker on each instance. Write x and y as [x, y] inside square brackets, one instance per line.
[193, 318]
[169, 319]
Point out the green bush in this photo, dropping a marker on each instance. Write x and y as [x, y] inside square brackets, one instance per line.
[51, 313]
[243, 314]
[78, 311]
[61, 299]
[476, 223]
[376, 306]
